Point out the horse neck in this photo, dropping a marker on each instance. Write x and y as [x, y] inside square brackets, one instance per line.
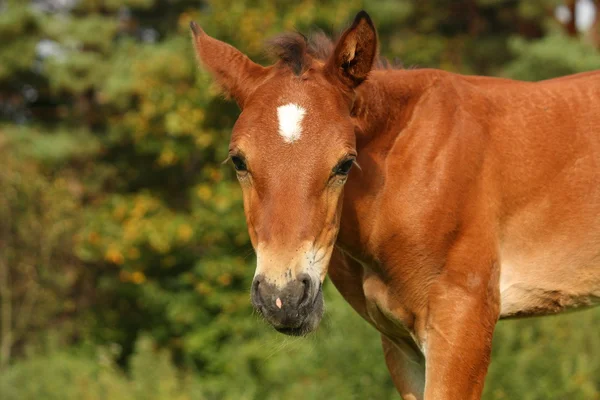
[384, 106]
[385, 102]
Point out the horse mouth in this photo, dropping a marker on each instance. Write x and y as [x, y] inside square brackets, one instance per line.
[299, 331]
[308, 324]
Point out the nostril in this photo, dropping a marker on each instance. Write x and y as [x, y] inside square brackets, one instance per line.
[306, 293]
[255, 292]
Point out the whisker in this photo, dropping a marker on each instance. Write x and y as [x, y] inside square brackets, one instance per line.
[249, 252]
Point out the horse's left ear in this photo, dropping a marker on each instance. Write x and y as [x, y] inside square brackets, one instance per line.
[232, 69]
[353, 57]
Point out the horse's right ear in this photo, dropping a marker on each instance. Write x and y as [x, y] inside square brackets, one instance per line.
[355, 52]
[237, 75]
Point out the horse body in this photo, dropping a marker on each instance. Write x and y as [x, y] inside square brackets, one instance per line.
[529, 150]
[476, 199]
[478, 166]
[549, 242]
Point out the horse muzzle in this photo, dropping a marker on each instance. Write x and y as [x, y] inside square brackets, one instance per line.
[293, 309]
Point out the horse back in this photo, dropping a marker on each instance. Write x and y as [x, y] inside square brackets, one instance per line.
[518, 160]
[545, 152]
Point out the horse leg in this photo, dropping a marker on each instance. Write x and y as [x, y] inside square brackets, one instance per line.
[403, 358]
[464, 306]
[407, 367]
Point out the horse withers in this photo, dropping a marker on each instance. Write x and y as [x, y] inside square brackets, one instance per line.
[471, 198]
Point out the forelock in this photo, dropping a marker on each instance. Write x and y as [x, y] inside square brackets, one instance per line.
[298, 51]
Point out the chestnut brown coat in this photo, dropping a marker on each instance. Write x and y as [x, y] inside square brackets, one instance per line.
[473, 199]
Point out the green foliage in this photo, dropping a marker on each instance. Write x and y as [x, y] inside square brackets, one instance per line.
[122, 229]
[546, 358]
[83, 375]
[18, 35]
[39, 275]
[551, 56]
[50, 149]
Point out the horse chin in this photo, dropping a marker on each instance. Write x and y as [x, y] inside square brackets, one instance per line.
[310, 323]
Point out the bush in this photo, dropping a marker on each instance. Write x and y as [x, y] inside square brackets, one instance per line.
[80, 374]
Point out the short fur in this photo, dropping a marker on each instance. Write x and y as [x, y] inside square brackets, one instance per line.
[477, 199]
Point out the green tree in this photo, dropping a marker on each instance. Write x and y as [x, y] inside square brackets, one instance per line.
[118, 213]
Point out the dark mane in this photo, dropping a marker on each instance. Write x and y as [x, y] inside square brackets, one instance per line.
[297, 50]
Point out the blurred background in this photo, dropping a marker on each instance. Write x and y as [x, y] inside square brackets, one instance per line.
[125, 264]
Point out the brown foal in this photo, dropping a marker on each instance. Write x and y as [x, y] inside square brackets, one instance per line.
[476, 198]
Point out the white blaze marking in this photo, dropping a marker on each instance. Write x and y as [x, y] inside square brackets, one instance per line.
[290, 118]
[278, 303]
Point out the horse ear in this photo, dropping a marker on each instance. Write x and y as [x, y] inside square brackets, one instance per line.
[353, 57]
[237, 75]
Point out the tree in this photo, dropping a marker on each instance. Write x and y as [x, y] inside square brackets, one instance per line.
[116, 209]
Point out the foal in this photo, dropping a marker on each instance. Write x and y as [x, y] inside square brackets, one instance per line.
[476, 198]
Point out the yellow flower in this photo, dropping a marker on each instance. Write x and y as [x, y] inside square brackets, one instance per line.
[159, 243]
[203, 140]
[184, 232]
[139, 208]
[131, 230]
[93, 237]
[138, 277]
[119, 212]
[204, 192]
[113, 255]
[167, 157]
[203, 288]
[222, 203]
[225, 279]
[216, 175]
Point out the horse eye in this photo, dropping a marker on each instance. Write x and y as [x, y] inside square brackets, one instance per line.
[343, 168]
[239, 163]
